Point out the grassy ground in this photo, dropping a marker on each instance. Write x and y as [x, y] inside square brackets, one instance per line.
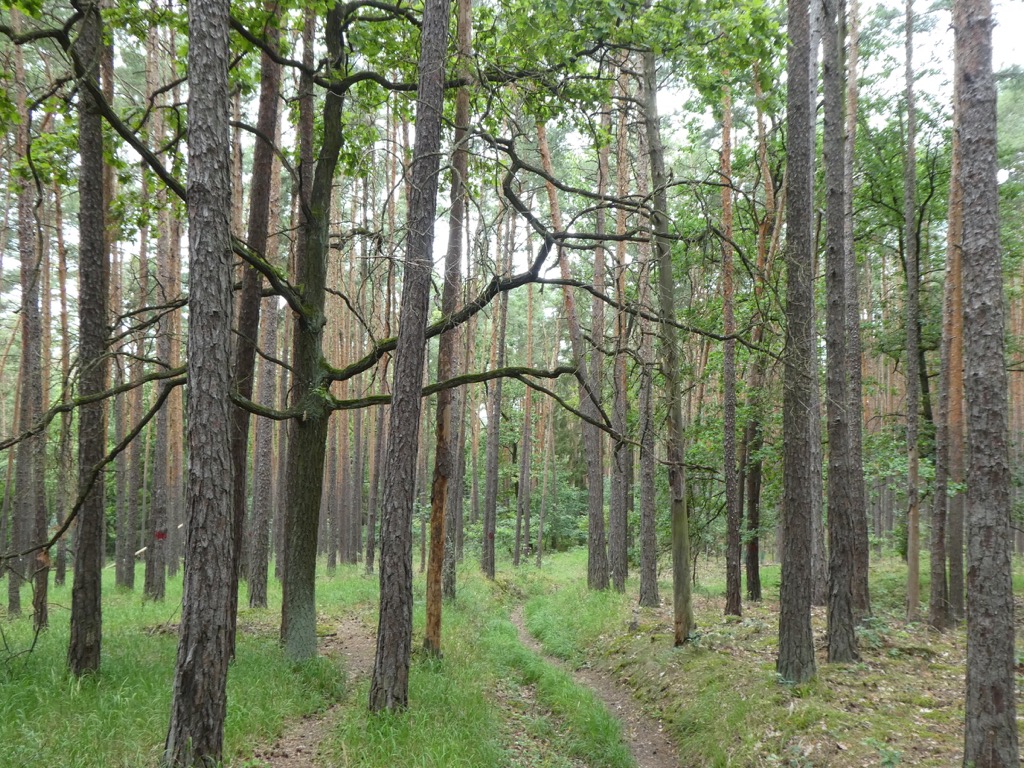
[487, 702]
[491, 702]
[901, 704]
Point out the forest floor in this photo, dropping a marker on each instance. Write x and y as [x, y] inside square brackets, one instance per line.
[648, 743]
[537, 672]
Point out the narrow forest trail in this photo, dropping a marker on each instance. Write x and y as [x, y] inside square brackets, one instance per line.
[353, 641]
[648, 743]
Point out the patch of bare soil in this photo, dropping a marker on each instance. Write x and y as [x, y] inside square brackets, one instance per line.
[355, 644]
[648, 743]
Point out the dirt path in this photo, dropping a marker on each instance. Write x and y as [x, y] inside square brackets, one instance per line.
[352, 641]
[650, 747]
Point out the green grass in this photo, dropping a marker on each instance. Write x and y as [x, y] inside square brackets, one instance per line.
[119, 717]
[488, 702]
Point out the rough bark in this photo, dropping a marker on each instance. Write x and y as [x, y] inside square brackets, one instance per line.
[842, 642]
[307, 437]
[199, 698]
[796, 642]
[86, 620]
[389, 686]
[858, 492]
[990, 737]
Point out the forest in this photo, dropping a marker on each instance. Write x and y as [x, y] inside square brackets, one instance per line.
[574, 383]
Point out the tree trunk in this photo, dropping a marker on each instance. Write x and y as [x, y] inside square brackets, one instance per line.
[618, 505]
[448, 346]
[526, 441]
[389, 687]
[648, 451]
[733, 585]
[842, 642]
[858, 492]
[990, 738]
[307, 437]
[912, 369]
[199, 699]
[597, 563]
[155, 526]
[84, 647]
[248, 308]
[796, 642]
[682, 600]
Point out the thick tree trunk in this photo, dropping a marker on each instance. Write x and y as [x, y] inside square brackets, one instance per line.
[84, 648]
[842, 642]
[389, 686]
[858, 492]
[990, 738]
[199, 699]
[796, 642]
[307, 437]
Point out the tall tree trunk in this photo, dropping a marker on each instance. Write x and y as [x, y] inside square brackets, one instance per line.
[448, 346]
[155, 539]
[733, 545]
[939, 609]
[526, 441]
[258, 231]
[389, 687]
[858, 492]
[597, 564]
[66, 460]
[990, 737]
[28, 503]
[199, 698]
[953, 349]
[263, 495]
[842, 642]
[84, 647]
[494, 421]
[682, 599]
[307, 437]
[913, 349]
[597, 547]
[618, 505]
[796, 642]
[647, 427]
